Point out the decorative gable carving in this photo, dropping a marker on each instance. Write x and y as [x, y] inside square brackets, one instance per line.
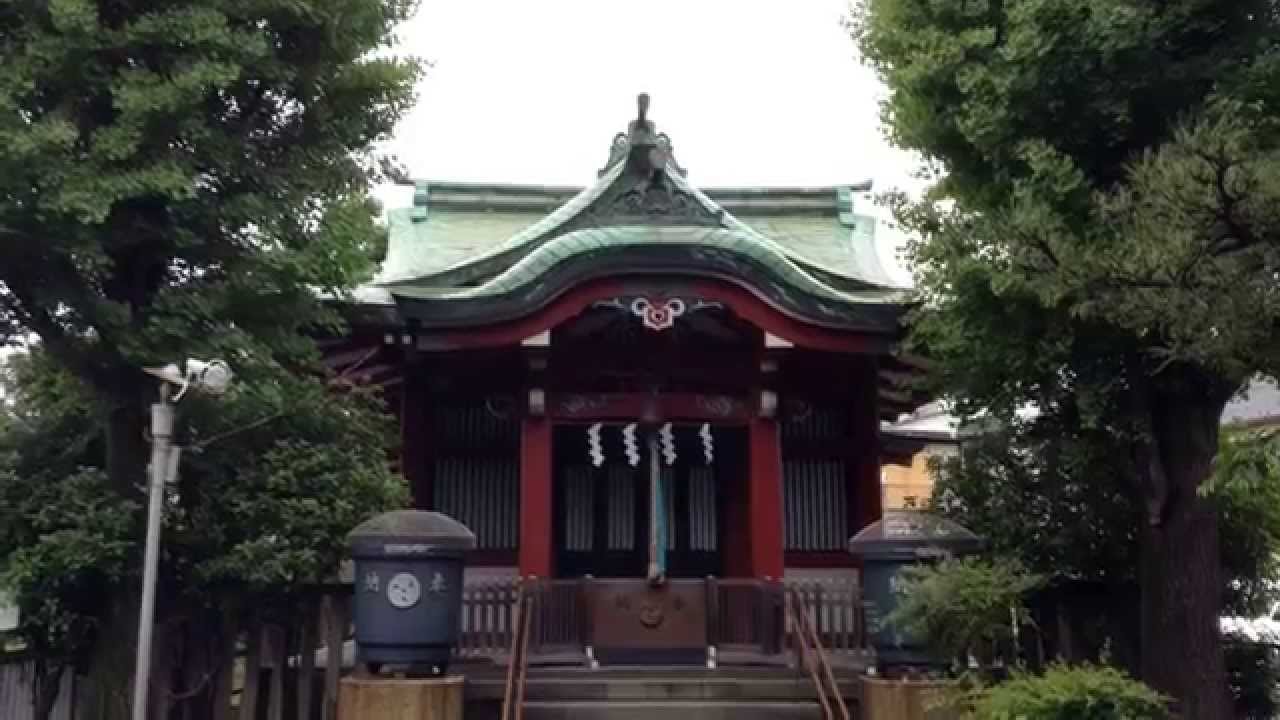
[645, 193]
[646, 200]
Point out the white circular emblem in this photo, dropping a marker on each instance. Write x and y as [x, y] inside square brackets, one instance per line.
[404, 591]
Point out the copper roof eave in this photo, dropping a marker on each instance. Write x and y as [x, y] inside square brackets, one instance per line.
[486, 197]
[453, 312]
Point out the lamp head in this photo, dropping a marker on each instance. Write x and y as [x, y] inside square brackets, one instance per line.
[213, 377]
[170, 373]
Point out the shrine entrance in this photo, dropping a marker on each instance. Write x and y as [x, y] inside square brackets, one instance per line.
[606, 498]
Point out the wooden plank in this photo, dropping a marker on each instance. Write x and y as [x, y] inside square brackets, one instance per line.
[279, 654]
[252, 672]
[306, 658]
[225, 681]
[335, 636]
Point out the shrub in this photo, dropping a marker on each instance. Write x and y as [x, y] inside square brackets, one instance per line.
[964, 607]
[1253, 674]
[1071, 693]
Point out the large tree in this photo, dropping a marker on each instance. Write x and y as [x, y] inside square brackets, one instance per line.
[183, 178]
[1103, 238]
[273, 477]
[1055, 498]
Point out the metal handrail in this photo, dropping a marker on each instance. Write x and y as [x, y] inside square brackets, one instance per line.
[518, 666]
[814, 659]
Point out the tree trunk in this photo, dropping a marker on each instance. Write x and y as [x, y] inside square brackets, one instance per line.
[127, 421]
[47, 687]
[109, 679]
[109, 674]
[1181, 646]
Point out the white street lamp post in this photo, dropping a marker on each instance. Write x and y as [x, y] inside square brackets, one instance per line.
[213, 378]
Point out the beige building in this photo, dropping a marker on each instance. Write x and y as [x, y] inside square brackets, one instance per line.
[913, 441]
[930, 432]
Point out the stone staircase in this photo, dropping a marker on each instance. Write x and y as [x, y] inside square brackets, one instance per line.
[670, 693]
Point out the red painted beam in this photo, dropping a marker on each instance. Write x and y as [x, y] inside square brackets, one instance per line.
[745, 303]
[593, 407]
[535, 552]
[764, 499]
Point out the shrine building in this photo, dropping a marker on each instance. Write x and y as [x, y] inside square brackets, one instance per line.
[638, 378]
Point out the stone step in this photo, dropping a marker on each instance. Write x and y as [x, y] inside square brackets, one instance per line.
[670, 710]
[660, 686]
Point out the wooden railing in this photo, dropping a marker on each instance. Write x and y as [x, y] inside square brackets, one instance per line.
[745, 618]
[487, 620]
[836, 611]
[287, 665]
[518, 667]
[812, 658]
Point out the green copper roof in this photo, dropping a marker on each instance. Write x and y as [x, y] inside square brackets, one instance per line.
[478, 246]
[457, 224]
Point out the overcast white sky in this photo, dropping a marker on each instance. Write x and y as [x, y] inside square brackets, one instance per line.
[752, 92]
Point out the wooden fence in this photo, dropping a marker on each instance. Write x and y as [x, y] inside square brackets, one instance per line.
[745, 618]
[17, 692]
[836, 611]
[293, 671]
[289, 669]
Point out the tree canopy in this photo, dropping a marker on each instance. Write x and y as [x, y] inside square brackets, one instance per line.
[1056, 500]
[1101, 242]
[180, 179]
[274, 476]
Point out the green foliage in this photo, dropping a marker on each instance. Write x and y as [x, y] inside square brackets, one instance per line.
[1111, 177]
[1101, 243]
[1253, 674]
[1057, 498]
[1245, 487]
[64, 539]
[186, 179]
[963, 607]
[1053, 497]
[1071, 693]
[274, 476]
[318, 468]
[185, 176]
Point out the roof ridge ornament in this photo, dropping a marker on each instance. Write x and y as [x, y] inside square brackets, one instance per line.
[643, 148]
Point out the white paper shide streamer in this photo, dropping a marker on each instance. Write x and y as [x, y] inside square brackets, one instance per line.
[595, 448]
[708, 443]
[667, 439]
[630, 446]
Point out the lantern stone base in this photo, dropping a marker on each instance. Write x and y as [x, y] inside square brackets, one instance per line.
[389, 698]
[889, 699]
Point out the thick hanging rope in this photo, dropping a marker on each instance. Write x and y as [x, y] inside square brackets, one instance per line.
[657, 516]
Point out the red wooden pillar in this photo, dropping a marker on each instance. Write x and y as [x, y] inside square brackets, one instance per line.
[535, 554]
[864, 487]
[764, 498]
[415, 436]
